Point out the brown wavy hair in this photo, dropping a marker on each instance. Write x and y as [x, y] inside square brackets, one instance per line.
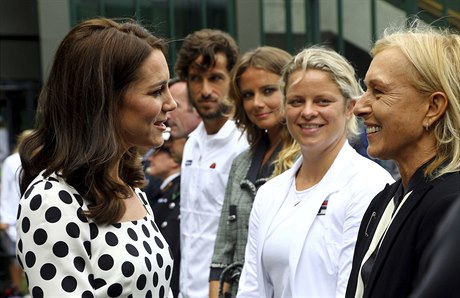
[206, 43]
[77, 131]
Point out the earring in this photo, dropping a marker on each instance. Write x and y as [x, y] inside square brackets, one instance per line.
[427, 126]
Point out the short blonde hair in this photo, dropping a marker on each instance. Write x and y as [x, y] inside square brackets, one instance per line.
[435, 55]
[340, 70]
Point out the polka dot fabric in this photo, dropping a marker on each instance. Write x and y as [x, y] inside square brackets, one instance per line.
[65, 254]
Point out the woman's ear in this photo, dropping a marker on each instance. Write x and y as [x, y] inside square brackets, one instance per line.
[437, 106]
[349, 108]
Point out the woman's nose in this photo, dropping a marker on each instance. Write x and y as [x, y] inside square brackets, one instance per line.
[362, 106]
[308, 110]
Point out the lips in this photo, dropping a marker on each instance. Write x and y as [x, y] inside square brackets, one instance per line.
[310, 126]
[262, 115]
[160, 124]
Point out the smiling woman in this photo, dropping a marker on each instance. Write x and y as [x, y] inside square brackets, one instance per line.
[142, 114]
[82, 217]
[304, 222]
[412, 113]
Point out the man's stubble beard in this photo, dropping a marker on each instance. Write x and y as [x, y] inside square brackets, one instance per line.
[221, 112]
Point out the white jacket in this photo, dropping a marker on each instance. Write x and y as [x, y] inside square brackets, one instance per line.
[205, 169]
[350, 184]
[10, 194]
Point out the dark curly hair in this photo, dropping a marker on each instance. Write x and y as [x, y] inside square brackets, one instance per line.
[206, 43]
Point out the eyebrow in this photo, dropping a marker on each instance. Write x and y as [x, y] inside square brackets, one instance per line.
[376, 81]
[158, 84]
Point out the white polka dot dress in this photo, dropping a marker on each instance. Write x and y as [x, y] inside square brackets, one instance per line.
[65, 254]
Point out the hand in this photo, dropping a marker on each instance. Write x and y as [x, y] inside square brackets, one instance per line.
[4, 226]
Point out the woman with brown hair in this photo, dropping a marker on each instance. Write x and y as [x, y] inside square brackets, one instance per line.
[84, 227]
[256, 95]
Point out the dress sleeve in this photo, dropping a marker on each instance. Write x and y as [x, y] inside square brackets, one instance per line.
[54, 241]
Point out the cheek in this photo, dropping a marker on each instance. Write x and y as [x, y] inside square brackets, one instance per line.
[274, 101]
[193, 90]
[247, 105]
[290, 116]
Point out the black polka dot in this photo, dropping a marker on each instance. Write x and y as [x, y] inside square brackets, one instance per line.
[114, 290]
[127, 269]
[148, 294]
[72, 230]
[146, 231]
[87, 245]
[99, 282]
[30, 259]
[141, 195]
[91, 280]
[53, 179]
[69, 284]
[27, 193]
[130, 296]
[155, 279]
[162, 292]
[170, 252]
[132, 234]
[87, 294]
[105, 262]
[168, 272]
[53, 214]
[60, 249]
[111, 239]
[37, 292]
[79, 263]
[154, 226]
[20, 245]
[48, 271]
[65, 197]
[147, 247]
[48, 185]
[18, 214]
[40, 236]
[36, 202]
[141, 281]
[117, 225]
[80, 215]
[25, 225]
[159, 260]
[159, 242]
[132, 250]
[94, 231]
[79, 199]
[148, 264]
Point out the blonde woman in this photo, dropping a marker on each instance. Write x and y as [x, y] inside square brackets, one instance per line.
[411, 110]
[304, 222]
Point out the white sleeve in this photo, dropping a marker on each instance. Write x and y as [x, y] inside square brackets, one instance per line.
[248, 284]
[9, 198]
[364, 190]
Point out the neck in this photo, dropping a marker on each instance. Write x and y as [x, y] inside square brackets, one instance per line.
[315, 166]
[414, 158]
[212, 126]
[407, 169]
